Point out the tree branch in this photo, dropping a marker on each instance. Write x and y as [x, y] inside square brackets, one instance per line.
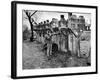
[33, 13]
[33, 21]
[26, 13]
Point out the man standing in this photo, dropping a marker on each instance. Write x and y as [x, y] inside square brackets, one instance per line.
[48, 41]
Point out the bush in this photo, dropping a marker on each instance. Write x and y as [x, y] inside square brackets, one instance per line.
[26, 34]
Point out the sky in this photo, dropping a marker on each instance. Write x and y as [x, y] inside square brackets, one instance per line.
[41, 16]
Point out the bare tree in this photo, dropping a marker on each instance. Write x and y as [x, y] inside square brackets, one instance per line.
[31, 20]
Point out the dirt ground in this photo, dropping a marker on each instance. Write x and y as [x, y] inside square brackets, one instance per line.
[33, 57]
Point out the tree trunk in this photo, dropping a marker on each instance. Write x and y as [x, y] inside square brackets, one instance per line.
[32, 34]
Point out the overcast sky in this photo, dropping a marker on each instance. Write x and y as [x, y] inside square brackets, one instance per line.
[41, 16]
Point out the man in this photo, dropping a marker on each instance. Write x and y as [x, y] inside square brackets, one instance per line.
[48, 41]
